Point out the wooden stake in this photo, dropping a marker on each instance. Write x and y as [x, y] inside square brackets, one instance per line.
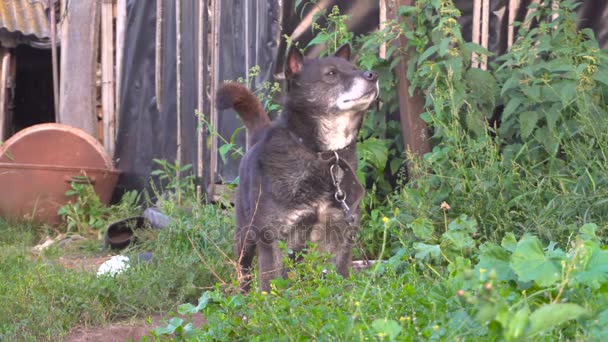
[178, 52]
[79, 48]
[121, 26]
[513, 6]
[200, 98]
[485, 31]
[383, 18]
[107, 76]
[5, 57]
[475, 35]
[54, 58]
[159, 50]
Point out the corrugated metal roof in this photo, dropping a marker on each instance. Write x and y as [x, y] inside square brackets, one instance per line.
[25, 16]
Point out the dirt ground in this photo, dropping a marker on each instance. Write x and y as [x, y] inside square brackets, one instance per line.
[117, 332]
[122, 332]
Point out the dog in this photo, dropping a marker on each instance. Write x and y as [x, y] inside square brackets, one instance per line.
[297, 179]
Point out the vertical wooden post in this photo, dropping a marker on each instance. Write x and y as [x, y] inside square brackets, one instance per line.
[121, 23]
[414, 130]
[475, 35]
[54, 62]
[79, 35]
[485, 31]
[5, 65]
[159, 51]
[107, 76]
[200, 97]
[513, 6]
[178, 66]
[381, 26]
[213, 43]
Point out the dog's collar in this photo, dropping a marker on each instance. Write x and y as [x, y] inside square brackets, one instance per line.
[323, 155]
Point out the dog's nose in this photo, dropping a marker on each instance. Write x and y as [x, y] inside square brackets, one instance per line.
[370, 75]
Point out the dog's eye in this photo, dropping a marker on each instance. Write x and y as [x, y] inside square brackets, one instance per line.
[331, 73]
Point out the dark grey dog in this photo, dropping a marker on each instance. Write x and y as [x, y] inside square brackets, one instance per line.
[297, 180]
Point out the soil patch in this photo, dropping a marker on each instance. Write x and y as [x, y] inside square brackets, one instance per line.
[121, 332]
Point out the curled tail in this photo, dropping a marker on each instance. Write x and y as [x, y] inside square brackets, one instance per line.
[237, 96]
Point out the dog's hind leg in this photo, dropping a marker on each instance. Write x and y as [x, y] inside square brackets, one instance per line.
[270, 260]
[245, 251]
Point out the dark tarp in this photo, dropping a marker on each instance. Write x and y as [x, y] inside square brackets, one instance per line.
[144, 132]
[249, 35]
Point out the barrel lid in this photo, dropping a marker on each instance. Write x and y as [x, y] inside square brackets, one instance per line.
[55, 144]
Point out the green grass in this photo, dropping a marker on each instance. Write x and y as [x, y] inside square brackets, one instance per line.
[42, 300]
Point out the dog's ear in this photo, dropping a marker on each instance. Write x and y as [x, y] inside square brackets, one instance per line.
[343, 52]
[294, 62]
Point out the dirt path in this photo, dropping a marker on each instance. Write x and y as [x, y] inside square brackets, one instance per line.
[122, 332]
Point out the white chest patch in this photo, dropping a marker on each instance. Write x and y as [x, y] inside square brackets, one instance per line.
[339, 131]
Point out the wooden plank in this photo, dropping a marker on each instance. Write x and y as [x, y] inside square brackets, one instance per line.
[121, 29]
[79, 36]
[382, 26]
[5, 58]
[513, 6]
[159, 51]
[107, 76]
[213, 45]
[178, 72]
[475, 35]
[414, 130]
[200, 103]
[485, 31]
[54, 62]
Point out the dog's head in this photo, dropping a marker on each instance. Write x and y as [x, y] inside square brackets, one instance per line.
[332, 84]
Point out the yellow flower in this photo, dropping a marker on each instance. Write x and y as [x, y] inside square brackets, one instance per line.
[357, 303]
[436, 327]
[264, 293]
[381, 334]
[482, 270]
[385, 219]
[403, 319]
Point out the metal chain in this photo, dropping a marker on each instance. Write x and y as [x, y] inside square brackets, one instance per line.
[337, 174]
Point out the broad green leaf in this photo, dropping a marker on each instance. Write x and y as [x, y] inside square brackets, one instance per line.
[527, 123]
[483, 84]
[601, 76]
[459, 240]
[530, 263]
[588, 231]
[223, 151]
[594, 269]
[476, 123]
[426, 54]
[424, 251]
[517, 324]
[494, 257]
[407, 10]
[511, 83]
[422, 228]
[552, 115]
[320, 39]
[509, 242]
[444, 45]
[374, 151]
[511, 107]
[552, 315]
[385, 327]
[548, 139]
[463, 223]
[566, 90]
